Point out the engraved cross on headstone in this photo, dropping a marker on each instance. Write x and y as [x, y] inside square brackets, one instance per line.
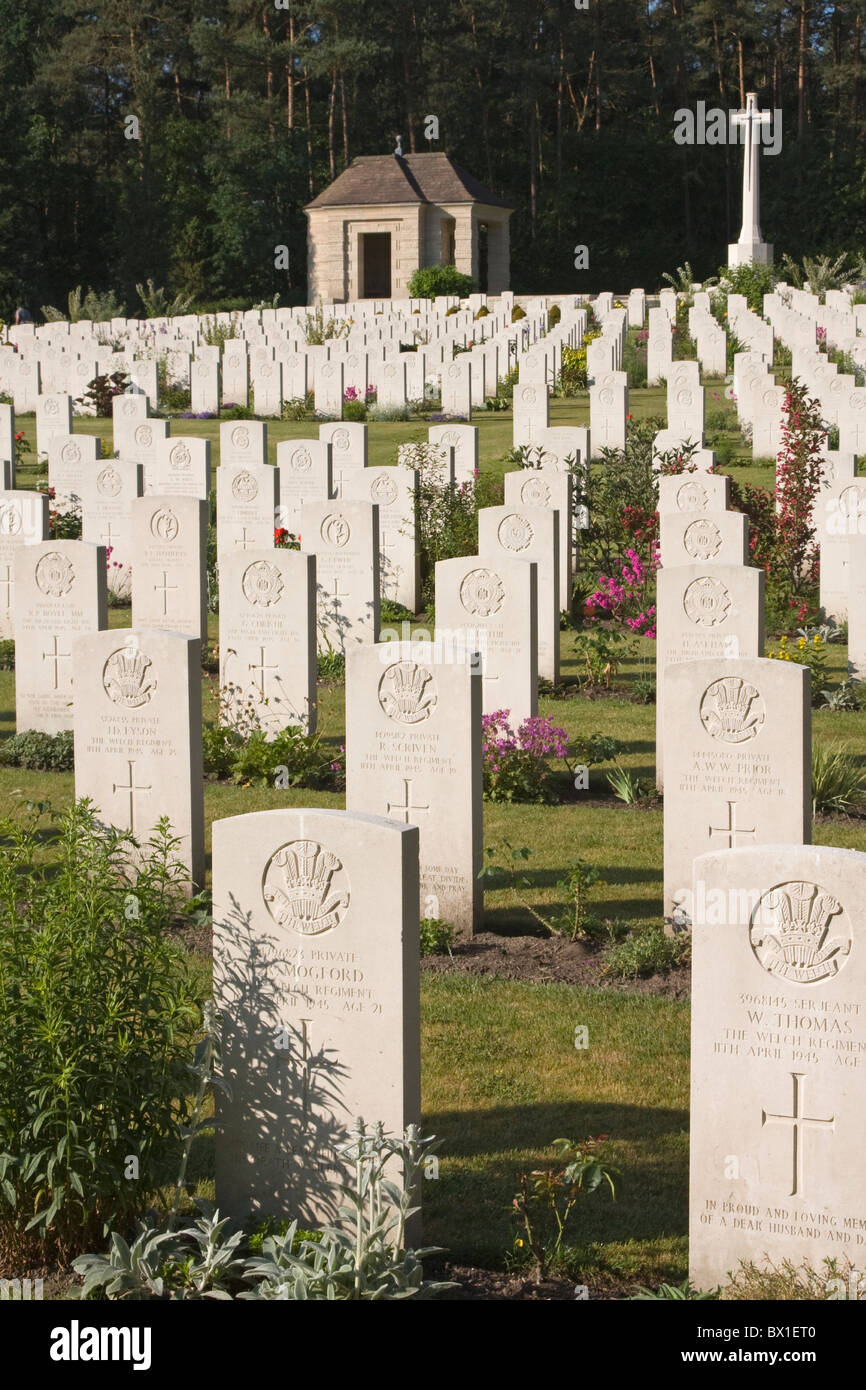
[164, 589]
[731, 829]
[243, 540]
[106, 535]
[796, 1120]
[132, 789]
[391, 807]
[56, 657]
[262, 668]
[9, 581]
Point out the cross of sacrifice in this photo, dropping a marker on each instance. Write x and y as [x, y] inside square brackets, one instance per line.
[56, 657]
[261, 668]
[732, 830]
[407, 806]
[797, 1120]
[750, 121]
[164, 589]
[132, 789]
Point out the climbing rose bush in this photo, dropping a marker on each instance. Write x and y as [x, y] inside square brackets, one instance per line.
[515, 764]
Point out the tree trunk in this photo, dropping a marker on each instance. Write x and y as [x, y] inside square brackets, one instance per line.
[801, 73]
[345, 121]
[290, 77]
[309, 128]
[332, 101]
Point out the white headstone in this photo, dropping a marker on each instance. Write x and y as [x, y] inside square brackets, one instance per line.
[268, 638]
[169, 554]
[138, 752]
[413, 753]
[60, 593]
[314, 1034]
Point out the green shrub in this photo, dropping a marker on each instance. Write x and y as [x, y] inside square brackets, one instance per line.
[39, 751]
[292, 759]
[299, 408]
[554, 315]
[436, 936]
[236, 412]
[677, 1293]
[517, 313]
[355, 410]
[646, 951]
[433, 280]
[838, 784]
[331, 667]
[7, 654]
[97, 1005]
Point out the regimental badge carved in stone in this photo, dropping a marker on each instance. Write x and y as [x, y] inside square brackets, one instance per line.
[70, 453]
[707, 601]
[109, 482]
[51, 407]
[244, 487]
[125, 677]
[535, 492]
[482, 593]
[529, 395]
[407, 692]
[262, 584]
[383, 491]
[702, 540]
[692, 497]
[54, 574]
[305, 888]
[335, 530]
[180, 457]
[144, 436]
[684, 398]
[301, 461]
[800, 932]
[240, 437]
[11, 519]
[454, 371]
[732, 710]
[852, 502]
[606, 396]
[340, 439]
[515, 533]
[129, 409]
[164, 525]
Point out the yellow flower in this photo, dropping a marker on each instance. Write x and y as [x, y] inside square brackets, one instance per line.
[518, 1242]
[801, 644]
[783, 640]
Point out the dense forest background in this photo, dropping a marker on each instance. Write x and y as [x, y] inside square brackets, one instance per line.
[246, 111]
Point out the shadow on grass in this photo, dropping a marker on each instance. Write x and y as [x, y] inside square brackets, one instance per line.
[483, 1152]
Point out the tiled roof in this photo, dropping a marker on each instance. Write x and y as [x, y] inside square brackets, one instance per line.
[411, 178]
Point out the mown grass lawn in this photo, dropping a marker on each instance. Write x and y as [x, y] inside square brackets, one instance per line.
[501, 1076]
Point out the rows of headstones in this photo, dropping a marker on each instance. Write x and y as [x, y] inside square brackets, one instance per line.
[733, 754]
